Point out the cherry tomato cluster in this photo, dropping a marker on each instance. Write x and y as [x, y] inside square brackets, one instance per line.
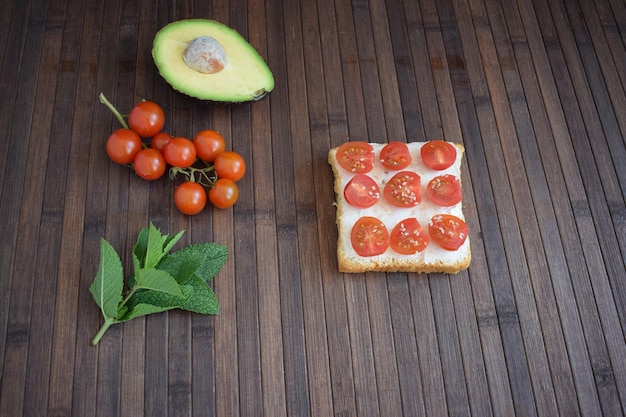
[208, 168]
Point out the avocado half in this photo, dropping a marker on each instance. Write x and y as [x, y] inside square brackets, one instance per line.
[208, 60]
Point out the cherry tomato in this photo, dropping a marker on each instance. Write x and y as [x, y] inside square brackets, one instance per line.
[146, 118]
[160, 140]
[224, 193]
[408, 237]
[361, 191]
[438, 154]
[395, 156]
[448, 231]
[209, 144]
[404, 189]
[122, 146]
[190, 198]
[356, 157]
[444, 190]
[149, 164]
[231, 165]
[180, 152]
[369, 236]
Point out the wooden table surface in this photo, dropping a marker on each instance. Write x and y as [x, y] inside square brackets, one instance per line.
[534, 89]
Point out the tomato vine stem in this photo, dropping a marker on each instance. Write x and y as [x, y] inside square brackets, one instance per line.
[115, 112]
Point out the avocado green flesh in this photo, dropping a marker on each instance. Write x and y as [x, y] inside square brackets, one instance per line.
[246, 76]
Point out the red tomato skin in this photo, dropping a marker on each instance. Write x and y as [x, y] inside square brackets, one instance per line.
[209, 144]
[369, 237]
[361, 191]
[408, 237]
[159, 141]
[149, 164]
[438, 154]
[224, 193]
[356, 157]
[448, 231]
[146, 118]
[404, 189]
[231, 165]
[395, 156]
[190, 198]
[122, 146]
[445, 190]
[180, 152]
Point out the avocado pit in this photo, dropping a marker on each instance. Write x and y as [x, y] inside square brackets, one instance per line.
[206, 55]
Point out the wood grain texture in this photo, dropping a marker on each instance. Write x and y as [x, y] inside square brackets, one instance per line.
[535, 91]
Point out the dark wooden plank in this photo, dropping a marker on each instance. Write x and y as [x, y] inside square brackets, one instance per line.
[15, 352]
[227, 395]
[329, 128]
[310, 151]
[535, 257]
[13, 151]
[456, 354]
[568, 223]
[363, 96]
[269, 320]
[161, 194]
[85, 362]
[548, 228]
[384, 123]
[89, 316]
[245, 268]
[506, 312]
[610, 152]
[598, 182]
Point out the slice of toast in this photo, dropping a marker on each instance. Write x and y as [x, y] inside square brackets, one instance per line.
[433, 258]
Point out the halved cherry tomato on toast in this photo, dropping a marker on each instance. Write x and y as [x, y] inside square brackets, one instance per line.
[408, 237]
[369, 236]
[356, 157]
[403, 189]
[395, 156]
[438, 154]
[361, 191]
[448, 231]
[445, 190]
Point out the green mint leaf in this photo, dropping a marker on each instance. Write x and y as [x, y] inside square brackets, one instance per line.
[169, 242]
[154, 250]
[182, 264]
[140, 249]
[147, 302]
[203, 259]
[203, 300]
[157, 280]
[108, 283]
[216, 255]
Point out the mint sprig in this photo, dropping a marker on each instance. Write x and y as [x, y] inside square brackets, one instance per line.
[161, 281]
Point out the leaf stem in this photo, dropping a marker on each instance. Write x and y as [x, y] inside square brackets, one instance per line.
[108, 321]
[115, 112]
[105, 326]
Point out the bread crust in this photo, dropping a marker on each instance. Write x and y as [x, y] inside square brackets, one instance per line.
[433, 259]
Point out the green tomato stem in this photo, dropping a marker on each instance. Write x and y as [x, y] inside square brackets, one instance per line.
[111, 107]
